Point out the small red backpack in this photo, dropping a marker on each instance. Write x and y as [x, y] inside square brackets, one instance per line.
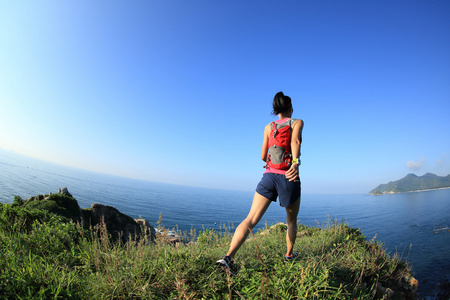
[280, 156]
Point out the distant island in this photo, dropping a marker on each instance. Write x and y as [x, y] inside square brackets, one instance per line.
[413, 183]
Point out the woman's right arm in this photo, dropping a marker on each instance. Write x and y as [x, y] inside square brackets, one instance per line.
[265, 145]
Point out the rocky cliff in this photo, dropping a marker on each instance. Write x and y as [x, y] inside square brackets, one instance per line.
[116, 223]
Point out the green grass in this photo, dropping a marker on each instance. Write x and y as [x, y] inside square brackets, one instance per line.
[43, 256]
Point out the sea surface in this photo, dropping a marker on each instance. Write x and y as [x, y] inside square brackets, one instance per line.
[416, 226]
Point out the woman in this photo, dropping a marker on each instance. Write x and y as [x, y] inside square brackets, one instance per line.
[278, 180]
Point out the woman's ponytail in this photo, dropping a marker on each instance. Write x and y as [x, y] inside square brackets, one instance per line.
[281, 103]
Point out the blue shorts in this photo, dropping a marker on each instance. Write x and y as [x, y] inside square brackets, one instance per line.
[273, 185]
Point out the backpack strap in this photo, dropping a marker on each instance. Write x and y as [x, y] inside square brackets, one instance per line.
[274, 129]
[289, 123]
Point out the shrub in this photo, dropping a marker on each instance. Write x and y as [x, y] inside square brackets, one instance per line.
[18, 201]
[60, 204]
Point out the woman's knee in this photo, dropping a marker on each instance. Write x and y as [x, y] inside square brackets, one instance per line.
[291, 223]
[292, 211]
[291, 219]
[250, 223]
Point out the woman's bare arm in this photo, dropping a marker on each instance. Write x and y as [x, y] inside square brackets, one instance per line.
[296, 141]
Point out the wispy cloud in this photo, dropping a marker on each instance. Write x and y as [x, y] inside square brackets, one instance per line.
[441, 161]
[415, 165]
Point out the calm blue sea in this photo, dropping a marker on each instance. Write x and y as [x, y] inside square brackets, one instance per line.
[415, 225]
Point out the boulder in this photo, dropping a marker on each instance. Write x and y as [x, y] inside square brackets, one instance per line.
[65, 191]
[409, 286]
[406, 289]
[149, 229]
[118, 224]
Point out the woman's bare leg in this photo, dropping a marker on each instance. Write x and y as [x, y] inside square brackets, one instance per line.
[259, 207]
[291, 221]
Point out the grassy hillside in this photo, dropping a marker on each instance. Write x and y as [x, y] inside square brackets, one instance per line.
[44, 256]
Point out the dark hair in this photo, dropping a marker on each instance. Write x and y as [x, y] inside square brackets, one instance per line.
[281, 103]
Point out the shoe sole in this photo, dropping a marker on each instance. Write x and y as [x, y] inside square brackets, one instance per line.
[291, 259]
[222, 264]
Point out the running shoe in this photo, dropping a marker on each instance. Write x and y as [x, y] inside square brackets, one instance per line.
[225, 262]
[290, 258]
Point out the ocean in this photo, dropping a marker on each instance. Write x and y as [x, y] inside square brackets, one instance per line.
[416, 226]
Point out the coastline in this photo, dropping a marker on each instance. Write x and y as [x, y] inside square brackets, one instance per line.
[416, 191]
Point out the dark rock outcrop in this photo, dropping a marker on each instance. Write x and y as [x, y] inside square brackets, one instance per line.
[148, 229]
[62, 204]
[406, 288]
[116, 223]
[65, 191]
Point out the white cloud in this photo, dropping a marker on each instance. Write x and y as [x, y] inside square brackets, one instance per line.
[415, 165]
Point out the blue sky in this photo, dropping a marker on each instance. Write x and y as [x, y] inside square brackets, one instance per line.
[180, 91]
